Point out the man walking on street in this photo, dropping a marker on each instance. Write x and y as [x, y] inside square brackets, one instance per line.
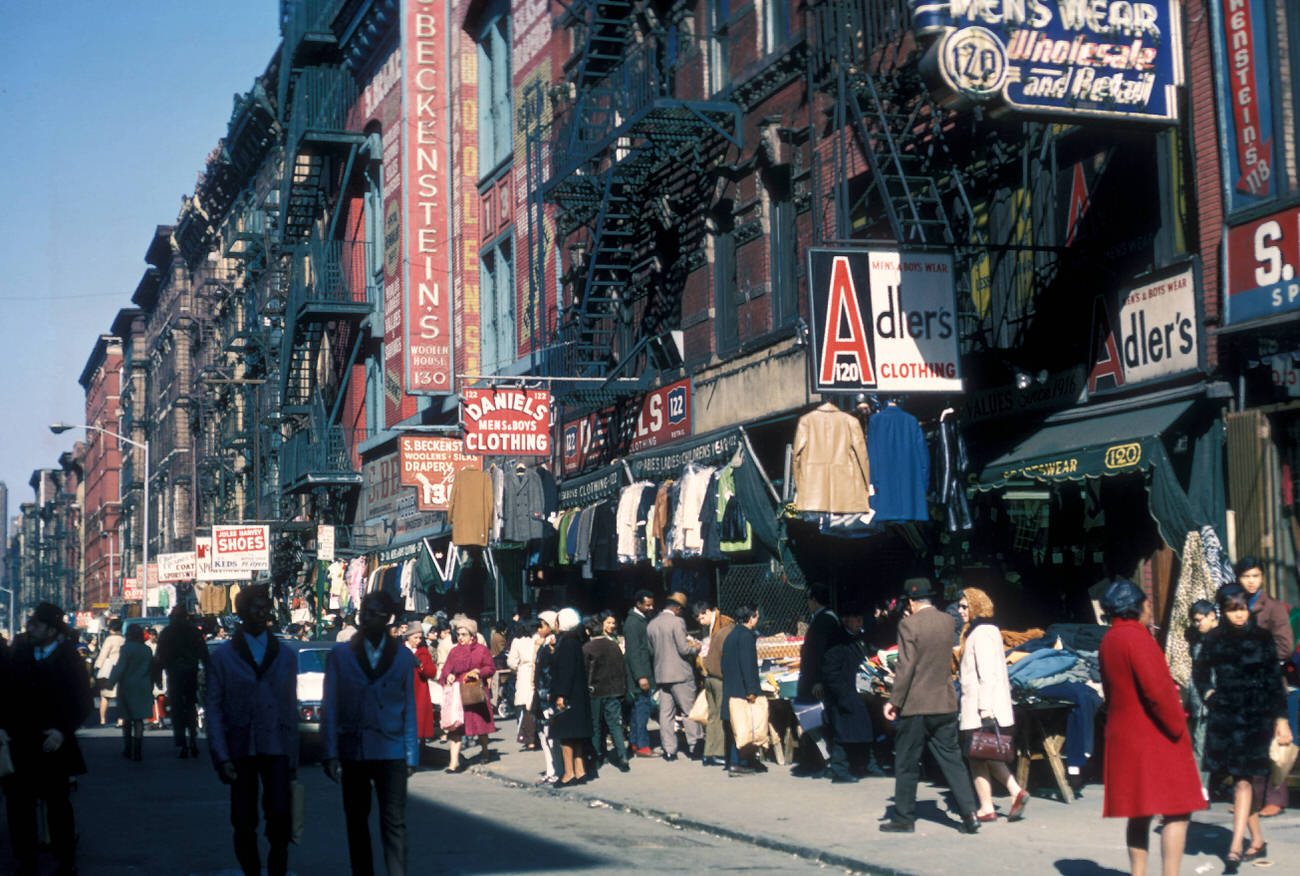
[369, 733]
[740, 685]
[181, 651]
[46, 696]
[924, 703]
[640, 670]
[716, 626]
[673, 674]
[252, 711]
[824, 633]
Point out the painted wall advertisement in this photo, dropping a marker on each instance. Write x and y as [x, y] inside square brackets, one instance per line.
[241, 549]
[663, 416]
[883, 320]
[1262, 259]
[1242, 35]
[430, 464]
[427, 244]
[1065, 59]
[380, 486]
[507, 422]
[1149, 331]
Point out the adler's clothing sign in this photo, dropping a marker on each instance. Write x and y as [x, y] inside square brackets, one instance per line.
[506, 422]
[1067, 59]
[884, 320]
[1148, 332]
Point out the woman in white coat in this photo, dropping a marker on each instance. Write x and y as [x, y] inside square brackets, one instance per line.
[109, 652]
[522, 659]
[986, 700]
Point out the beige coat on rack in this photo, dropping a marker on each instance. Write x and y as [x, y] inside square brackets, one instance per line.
[831, 472]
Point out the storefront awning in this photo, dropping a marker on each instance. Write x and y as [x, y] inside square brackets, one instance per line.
[1090, 447]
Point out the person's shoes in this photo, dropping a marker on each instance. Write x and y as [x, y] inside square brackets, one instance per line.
[670, 757]
[1231, 863]
[741, 771]
[711, 761]
[987, 817]
[1018, 805]
[586, 778]
[898, 827]
[1270, 810]
[758, 766]
[547, 780]
[845, 779]
[643, 752]
[568, 783]
[1256, 852]
[804, 771]
[622, 766]
[969, 824]
[458, 768]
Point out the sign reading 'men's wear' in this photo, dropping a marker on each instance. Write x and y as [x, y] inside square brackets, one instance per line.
[885, 320]
[1068, 59]
[506, 422]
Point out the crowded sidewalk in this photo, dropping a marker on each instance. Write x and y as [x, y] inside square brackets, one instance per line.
[836, 824]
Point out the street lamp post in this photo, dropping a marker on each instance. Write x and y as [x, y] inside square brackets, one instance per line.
[58, 428]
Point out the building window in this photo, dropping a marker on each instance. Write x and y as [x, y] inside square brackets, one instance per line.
[774, 27]
[719, 66]
[784, 256]
[496, 278]
[495, 128]
[726, 308]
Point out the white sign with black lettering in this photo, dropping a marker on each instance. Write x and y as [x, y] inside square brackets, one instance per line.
[1157, 328]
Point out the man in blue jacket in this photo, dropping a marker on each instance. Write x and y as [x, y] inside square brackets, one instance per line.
[252, 711]
[368, 728]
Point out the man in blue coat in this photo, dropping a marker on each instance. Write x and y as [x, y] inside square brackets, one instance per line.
[740, 684]
[368, 729]
[252, 712]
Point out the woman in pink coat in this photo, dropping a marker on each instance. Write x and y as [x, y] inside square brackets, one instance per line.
[470, 656]
[1150, 769]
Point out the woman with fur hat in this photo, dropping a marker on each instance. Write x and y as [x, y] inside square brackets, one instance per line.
[469, 659]
[425, 671]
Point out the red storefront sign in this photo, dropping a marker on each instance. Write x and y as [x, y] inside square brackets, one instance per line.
[427, 285]
[507, 422]
[430, 465]
[664, 416]
[1263, 258]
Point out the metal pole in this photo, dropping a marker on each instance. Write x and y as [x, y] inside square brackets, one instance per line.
[110, 565]
[144, 547]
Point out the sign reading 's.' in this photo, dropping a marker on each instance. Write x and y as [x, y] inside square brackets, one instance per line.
[883, 319]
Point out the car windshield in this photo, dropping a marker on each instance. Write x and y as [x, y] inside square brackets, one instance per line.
[312, 659]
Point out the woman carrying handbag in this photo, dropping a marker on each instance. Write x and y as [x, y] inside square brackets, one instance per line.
[470, 664]
[986, 720]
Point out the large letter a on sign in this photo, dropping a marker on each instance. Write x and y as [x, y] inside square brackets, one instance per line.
[837, 349]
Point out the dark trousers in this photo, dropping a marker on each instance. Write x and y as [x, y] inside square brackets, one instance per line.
[940, 733]
[609, 712]
[183, 688]
[389, 780]
[638, 735]
[272, 772]
[23, 789]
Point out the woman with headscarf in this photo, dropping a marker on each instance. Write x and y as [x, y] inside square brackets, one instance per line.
[986, 700]
[571, 724]
[425, 672]
[469, 659]
[1237, 675]
[1150, 769]
[133, 677]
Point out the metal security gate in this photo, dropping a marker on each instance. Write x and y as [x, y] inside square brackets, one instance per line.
[778, 591]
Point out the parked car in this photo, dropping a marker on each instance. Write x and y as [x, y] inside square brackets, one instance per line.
[312, 659]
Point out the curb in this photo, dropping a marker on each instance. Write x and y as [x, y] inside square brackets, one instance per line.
[808, 853]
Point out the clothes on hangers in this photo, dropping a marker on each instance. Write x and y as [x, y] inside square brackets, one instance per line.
[631, 520]
[524, 506]
[831, 469]
[471, 506]
[900, 465]
[498, 476]
[953, 466]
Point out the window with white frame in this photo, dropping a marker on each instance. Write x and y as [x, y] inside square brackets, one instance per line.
[774, 25]
[497, 305]
[495, 127]
[719, 63]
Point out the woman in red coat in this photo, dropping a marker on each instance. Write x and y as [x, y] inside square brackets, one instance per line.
[425, 672]
[1150, 769]
[470, 656]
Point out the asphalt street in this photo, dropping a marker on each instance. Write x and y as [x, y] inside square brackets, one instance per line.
[166, 816]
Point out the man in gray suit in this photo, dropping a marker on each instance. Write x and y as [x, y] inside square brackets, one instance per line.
[924, 703]
[673, 674]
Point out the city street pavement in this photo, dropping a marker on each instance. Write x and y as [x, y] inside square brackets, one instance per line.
[170, 817]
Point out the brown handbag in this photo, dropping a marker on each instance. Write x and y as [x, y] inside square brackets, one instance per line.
[471, 690]
[990, 745]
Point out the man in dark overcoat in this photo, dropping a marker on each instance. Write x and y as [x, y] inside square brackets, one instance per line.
[924, 702]
[846, 714]
[824, 632]
[181, 651]
[46, 694]
[640, 670]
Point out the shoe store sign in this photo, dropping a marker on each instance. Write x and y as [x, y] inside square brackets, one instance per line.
[883, 319]
[1065, 59]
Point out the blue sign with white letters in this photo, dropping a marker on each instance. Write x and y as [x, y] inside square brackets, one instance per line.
[1065, 59]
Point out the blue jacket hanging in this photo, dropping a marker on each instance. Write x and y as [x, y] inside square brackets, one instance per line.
[900, 466]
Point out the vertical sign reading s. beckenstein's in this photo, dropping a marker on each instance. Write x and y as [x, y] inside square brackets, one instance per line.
[427, 245]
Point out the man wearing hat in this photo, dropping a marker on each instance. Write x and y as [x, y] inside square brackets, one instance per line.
[924, 703]
[46, 693]
[672, 653]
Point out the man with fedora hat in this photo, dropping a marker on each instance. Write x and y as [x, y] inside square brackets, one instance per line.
[924, 703]
[672, 652]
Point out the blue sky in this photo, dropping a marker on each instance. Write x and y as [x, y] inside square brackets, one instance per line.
[108, 111]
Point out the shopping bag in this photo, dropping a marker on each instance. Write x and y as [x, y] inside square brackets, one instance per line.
[758, 718]
[700, 710]
[299, 810]
[742, 725]
[453, 712]
[1282, 759]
